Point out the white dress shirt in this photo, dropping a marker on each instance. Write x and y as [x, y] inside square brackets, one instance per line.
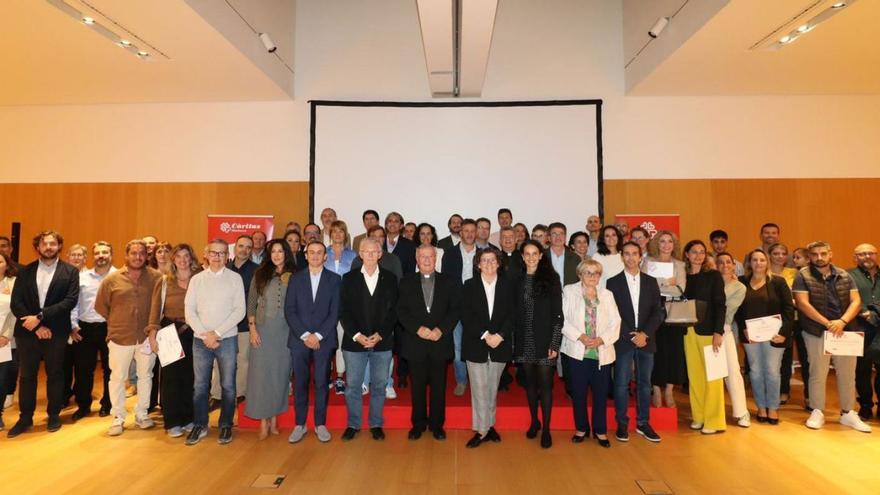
[316, 280]
[490, 298]
[635, 285]
[89, 281]
[44, 278]
[467, 263]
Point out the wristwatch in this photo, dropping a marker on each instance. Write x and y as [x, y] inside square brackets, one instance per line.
[40, 316]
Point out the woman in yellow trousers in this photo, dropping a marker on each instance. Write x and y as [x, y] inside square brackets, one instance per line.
[706, 287]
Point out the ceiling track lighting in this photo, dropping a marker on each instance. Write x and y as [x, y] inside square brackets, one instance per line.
[796, 27]
[91, 18]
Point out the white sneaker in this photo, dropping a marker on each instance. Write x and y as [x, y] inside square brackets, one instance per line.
[175, 432]
[696, 426]
[390, 393]
[744, 421]
[817, 419]
[144, 423]
[297, 434]
[116, 427]
[189, 427]
[323, 433]
[853, 420]
[8, 402]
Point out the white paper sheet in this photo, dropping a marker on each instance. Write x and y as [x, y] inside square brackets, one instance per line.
[660, 269]
[5, 354]
[848, 344]
[716, 363]
[763, 329]
[170, 350]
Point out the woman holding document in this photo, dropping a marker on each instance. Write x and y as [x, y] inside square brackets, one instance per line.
[176, 379]
[664, 263]
[765, 321]
[706, 287]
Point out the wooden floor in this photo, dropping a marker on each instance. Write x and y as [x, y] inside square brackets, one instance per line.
[763, 459]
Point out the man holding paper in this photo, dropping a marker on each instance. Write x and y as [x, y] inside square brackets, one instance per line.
[828, 301]
[866, 276]
[124, 300]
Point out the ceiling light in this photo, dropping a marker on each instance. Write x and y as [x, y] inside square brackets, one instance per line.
[125, 42]
[839, 5]
[785, 39]
[88, 20]
[142, 53]
[801, 24]
[658, 27]
[804, 28]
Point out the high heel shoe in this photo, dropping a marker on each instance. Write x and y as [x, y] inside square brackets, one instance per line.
[546, 440]
[533, 430]
[603, 442]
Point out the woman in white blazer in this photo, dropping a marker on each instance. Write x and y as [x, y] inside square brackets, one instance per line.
[592, 326]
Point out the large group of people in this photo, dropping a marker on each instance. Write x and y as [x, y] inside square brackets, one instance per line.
[602, 308]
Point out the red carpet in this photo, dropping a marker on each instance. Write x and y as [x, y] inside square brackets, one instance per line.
[512, 411]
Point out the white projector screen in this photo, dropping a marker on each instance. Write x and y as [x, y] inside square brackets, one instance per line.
[426, 161]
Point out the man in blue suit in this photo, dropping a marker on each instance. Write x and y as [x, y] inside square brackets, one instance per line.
[312, 309]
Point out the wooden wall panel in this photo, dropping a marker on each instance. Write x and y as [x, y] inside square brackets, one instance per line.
[118, 212]
[841, 211]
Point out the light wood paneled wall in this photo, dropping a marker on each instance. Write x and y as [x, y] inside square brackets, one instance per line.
[841, 211]
[119, 212]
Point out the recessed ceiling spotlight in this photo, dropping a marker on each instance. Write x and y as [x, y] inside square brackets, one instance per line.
[804, 28]
[88, 20]
[785, 39]
[143, 54]
[125, 42]
[839, 5]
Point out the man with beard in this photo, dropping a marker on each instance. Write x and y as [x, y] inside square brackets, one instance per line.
[46, 293]
[89, 334]
[865, 276]
[594, 225]
[124, 300]
[454, 236]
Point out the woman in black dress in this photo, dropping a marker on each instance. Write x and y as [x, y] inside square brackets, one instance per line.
[538, 334]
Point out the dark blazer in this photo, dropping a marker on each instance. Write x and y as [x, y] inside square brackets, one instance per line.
[387, 262]
[780, 303]
[475, 320]
[651, 310]
[405, 250]
[300, 260]
[61, 298]
[247, 274]
[304, 315]
[361, 312]
[514, 267]
[707, 288]
[570, 263]
[546, 321]
[412, 314]
[453, 262]
[446, 243]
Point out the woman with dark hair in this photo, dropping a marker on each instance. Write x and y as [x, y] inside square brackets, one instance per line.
[579, 242]
[608, 248]
[8, 369]
[522, 233]
[766, 295]
[167, 308]
[488, 309]
[426, 235]
[538, 334]
[269, 367]
[706, 287]
[161, 258]
[294, 239]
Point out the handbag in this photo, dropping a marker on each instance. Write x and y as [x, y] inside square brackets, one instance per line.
[681, 311]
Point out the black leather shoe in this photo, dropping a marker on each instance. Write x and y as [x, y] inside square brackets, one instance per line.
[493, 435]
[533, 430]
[761, 419]
[773, 421]
[415, 434]
[439, 434]
[19, 428]
[603, 442]
[80, 414]
[54, 423]
[865, 413]
[377, 432]
[104, 412]
[622, 433]
[578, 438]
[546, 440]
[349, 434]
[475, 441]
[225, 435]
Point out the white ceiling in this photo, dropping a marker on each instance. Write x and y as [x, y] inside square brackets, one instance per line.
[838, 57]
[50, 58]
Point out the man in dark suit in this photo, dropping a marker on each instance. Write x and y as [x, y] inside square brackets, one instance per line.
[564, 260]
[428, 310]
[454, 236]
[484, 231]
[641, 312]
[511, 258]
[312, 309]
[459, 263]
[396, 243]
[368, 315]
[42, 299]
[370, 219]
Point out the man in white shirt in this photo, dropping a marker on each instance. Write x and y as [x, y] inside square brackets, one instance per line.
[594, 226]
[214, 305]
[258, 251]
[505, 219]
[89, 334]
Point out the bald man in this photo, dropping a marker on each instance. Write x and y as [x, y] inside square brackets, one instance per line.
[594, 225]
[865, 277]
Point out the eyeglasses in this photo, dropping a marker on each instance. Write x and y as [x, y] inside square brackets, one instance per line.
[488, 262]
[866, 254]
[217, 253]
[593, 274]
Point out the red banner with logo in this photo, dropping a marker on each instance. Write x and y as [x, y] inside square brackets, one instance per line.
[229, 227]
[651, 223]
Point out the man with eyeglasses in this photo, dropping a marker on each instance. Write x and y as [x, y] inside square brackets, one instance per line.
[865, 277]
[214, 305]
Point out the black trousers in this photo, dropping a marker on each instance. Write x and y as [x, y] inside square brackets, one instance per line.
[30, 352]
[428, 373]
[788, 358]
[69, 373]
[8, 377]
[177, 386]
[866, 387]
[85, 354]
